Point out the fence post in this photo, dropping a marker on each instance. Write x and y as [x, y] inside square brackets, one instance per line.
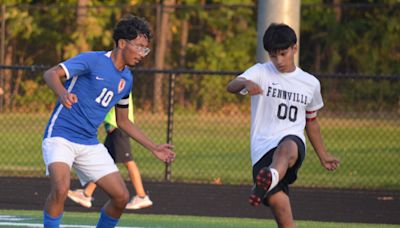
[170, 123]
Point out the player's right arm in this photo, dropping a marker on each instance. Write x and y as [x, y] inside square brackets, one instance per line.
[161, 151]
[240, 83]
[53, 79]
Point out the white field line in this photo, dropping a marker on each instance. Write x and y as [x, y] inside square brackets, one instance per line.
[40, 225]
[13, 218]
[10, 220]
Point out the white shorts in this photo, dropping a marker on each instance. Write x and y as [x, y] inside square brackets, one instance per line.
[91, 162]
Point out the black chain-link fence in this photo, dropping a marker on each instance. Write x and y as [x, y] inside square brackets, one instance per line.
[210, 128]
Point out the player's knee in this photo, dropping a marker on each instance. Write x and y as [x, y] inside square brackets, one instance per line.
[122, 198]
[60, 192]
[125, 198]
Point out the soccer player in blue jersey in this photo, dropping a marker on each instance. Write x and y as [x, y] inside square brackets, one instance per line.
[95, 82]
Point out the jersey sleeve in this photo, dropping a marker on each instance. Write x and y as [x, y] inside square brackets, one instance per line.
[316, 101]
[78, 65]
[253, 74]
[110, 117]
[124, 102]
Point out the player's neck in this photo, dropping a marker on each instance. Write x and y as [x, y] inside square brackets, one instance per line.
[291, 69]
[117, 59]
[286, 70]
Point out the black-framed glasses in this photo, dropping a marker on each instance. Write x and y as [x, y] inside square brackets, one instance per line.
[142, 50]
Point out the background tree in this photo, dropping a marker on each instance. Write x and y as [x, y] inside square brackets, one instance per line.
[337, 36]
[164, 10]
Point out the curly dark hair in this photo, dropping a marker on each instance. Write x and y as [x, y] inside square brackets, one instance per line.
[130, 27]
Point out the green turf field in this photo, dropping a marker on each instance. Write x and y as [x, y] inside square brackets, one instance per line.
[217, 146]
[14, 218]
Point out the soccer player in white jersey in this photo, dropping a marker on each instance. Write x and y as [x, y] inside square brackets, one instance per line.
[95, 82]
[284, 102]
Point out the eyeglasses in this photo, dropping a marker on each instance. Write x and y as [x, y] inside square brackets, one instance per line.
[142, 50]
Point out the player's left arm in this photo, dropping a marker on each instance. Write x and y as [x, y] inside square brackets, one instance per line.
[313, 131]
[161, 151]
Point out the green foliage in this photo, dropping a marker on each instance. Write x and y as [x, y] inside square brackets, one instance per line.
[220, 46]
[34, 97]
[347, 38]
[378, 96]
[350, 39]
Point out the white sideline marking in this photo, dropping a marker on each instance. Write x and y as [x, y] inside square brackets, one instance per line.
[12, 218]
[7, 220]
[41, 225]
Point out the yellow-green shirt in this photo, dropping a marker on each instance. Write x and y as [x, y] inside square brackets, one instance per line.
[110, 117]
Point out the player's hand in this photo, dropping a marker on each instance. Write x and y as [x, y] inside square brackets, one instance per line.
[164, 153]
[329, 162]
[68, 99]
[253, 88]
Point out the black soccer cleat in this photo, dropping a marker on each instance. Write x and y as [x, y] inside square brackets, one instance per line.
[260, 188]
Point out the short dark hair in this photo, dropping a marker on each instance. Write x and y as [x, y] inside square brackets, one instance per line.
[278, 37]
[130, 27]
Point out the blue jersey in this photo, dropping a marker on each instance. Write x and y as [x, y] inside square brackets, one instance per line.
[99, 86]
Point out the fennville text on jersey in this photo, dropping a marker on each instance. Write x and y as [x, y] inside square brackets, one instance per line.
[283, 94]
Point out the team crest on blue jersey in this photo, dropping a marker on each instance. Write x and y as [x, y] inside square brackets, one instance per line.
[121, 85]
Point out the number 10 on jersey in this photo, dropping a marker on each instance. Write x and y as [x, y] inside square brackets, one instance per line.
[105, 97]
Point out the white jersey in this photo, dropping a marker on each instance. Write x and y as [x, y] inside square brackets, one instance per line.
[281, 109]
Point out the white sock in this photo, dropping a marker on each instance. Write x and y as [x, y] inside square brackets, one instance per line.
[275, 178]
